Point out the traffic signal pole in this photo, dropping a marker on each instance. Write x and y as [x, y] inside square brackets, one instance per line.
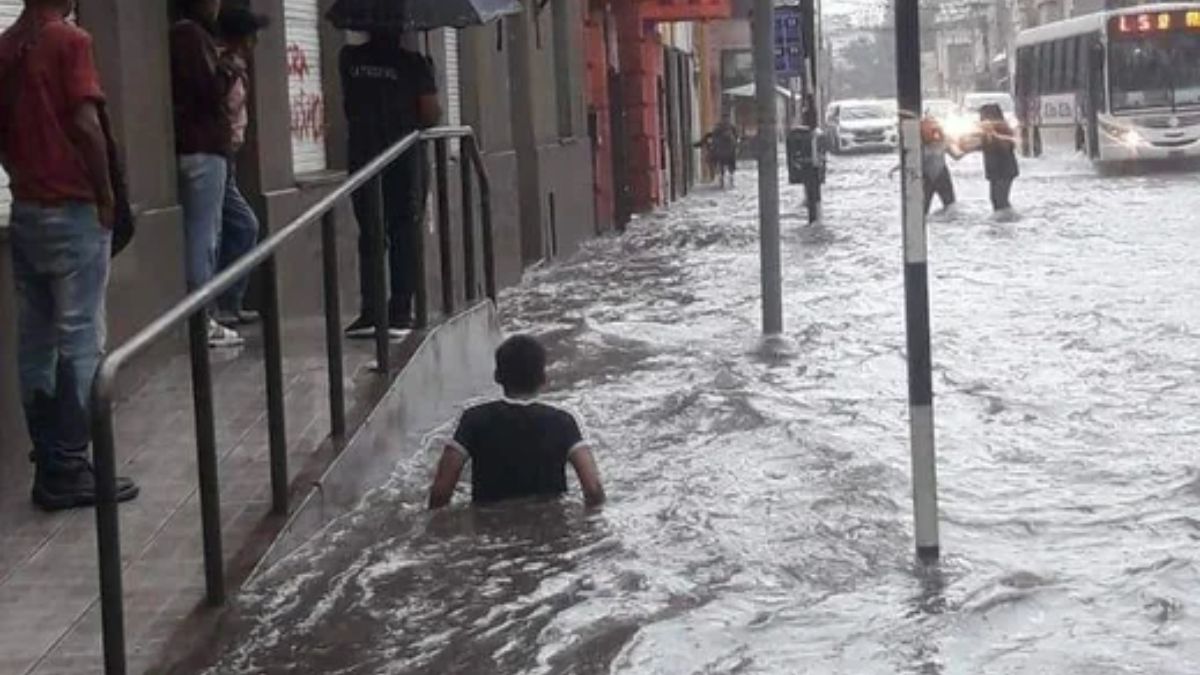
[916, 281]
[768, 165]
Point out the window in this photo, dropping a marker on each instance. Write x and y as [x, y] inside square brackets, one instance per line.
[1043, 68]
[1058, 67]
[1084, 60]
[1023, 79]
[1073, 79]
[9, 11]
[306, 94]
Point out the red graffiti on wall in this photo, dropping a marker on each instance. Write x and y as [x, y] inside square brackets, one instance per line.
[297, 62]
[308, 109]
[308, 116]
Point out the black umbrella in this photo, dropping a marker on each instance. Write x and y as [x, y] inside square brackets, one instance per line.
[417, 15]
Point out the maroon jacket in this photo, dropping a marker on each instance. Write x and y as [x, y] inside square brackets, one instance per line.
[201, 123]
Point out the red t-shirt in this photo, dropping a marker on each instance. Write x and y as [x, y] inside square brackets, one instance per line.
[58, 75]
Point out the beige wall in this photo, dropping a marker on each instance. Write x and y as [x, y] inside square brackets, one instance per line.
[511, 95]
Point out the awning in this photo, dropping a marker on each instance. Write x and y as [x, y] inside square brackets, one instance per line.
[750, 91]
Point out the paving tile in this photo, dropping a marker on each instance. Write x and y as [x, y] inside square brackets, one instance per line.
[49, 608]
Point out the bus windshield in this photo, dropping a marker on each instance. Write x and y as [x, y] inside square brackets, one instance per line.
[1160, 72]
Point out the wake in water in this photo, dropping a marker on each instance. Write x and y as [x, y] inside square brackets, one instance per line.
[759, 515]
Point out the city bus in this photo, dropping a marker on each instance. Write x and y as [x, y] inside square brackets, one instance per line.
[1118, 86]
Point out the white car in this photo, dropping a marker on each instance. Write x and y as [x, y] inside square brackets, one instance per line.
[861, 126]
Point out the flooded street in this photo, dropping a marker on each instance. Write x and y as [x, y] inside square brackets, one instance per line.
[760, 508]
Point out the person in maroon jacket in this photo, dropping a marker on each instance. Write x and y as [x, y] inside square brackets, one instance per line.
[53, 147]
[203, 144]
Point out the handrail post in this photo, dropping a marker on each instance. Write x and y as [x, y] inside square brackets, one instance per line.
[440, 151]
[108, 533]
[206, 458]
[276, 414]
[489, 238]
[466, 165]
[418, 238]
[379, 274]
[192, 309]
[333, 324]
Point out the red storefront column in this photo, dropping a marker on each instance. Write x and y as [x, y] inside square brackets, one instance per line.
[641, 65]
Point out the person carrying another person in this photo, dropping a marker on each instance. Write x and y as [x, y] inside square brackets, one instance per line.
[937, 178]
[999, 147]
[935, 173]
[55, 150]
[239, 28]
[203, 144]
[388, 93]
[518, 447]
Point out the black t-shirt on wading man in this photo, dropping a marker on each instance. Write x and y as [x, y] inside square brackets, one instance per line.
[383, 84]
[517, 449]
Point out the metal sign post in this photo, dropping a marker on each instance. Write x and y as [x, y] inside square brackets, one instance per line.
[768, 165]
[916, 281]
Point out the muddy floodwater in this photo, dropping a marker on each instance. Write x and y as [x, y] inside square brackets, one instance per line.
[760, 513]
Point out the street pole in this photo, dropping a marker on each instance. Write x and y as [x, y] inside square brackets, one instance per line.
[916, 281]
[768, 165]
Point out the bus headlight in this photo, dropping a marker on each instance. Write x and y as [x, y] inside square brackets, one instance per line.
[959, 126]
[1132, 139]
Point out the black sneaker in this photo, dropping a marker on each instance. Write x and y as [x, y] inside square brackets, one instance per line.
[53, 491]
[363, 328]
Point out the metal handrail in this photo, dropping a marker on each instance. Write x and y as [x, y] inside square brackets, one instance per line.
[193, 309]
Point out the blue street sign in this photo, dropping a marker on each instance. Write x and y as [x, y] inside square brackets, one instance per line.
[789, 42]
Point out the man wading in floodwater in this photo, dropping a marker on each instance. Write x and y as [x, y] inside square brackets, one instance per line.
[518, 447]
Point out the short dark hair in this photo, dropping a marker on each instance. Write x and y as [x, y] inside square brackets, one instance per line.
[188, 8]
[992, 111]
[521, 365]
[385, 34]
[239, 22]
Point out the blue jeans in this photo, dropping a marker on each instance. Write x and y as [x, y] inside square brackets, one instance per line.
[202, 181]
[60, 266]
[239, 234]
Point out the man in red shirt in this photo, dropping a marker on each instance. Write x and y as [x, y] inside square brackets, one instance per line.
[54, 150]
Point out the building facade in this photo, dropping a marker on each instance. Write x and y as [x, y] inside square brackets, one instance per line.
[520, 83]
[648, 84]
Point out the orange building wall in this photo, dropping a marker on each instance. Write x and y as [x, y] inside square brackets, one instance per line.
[641, 66]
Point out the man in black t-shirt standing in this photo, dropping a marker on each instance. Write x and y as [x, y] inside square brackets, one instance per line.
[389, 92]
[518, 447]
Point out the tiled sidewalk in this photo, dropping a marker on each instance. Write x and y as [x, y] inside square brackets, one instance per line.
[49, 597]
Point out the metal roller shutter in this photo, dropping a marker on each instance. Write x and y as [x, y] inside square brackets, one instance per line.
[302, 26]
[453, 86]
[9, 11]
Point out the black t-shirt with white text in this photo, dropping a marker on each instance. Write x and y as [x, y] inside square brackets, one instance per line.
[517, 449]
[382, 85]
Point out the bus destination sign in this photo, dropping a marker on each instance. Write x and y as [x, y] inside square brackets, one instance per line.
[1152, 23]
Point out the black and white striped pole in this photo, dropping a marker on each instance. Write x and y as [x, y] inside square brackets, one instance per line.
[916, 281]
